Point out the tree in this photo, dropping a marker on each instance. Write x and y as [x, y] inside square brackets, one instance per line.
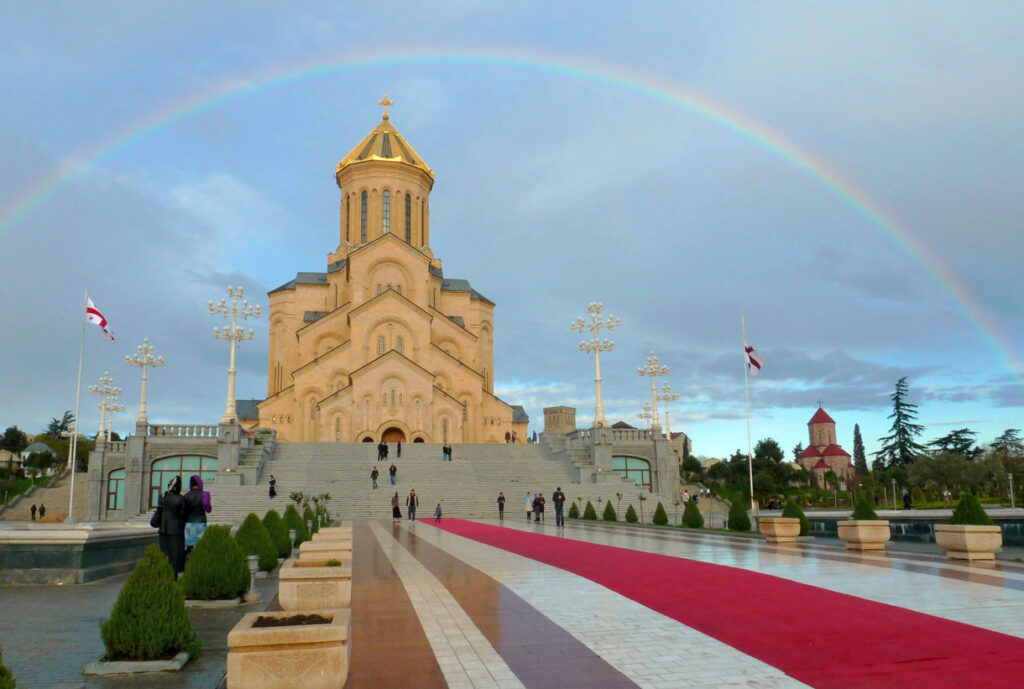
[57, 427]
[798, 450]
[40, 462]
[768, 450]
[609, 512]
[660, 517]
[899, 447]
[1009, 442]
[960, 441]
[14, 440]
[860, 460]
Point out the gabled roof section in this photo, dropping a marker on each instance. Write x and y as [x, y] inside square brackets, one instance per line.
[313, 316]
[458, 320]
[460, 285]
[392, 353]
[302, 279]
[337, 265]
[384, 143]
[436, 272]
[810, 451]
[834, 451]
[820, 465]
[247, 410]
[820, 417]
[622, 424]
[519, 414]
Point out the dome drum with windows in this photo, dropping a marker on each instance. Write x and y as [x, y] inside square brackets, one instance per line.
[381, 344]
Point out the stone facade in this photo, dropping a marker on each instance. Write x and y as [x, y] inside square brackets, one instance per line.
[381, 345]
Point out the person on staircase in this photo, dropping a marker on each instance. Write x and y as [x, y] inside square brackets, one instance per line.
[373, 477]
[392, 472]
[398, 450]
[197, 506]
[396, 513]
[273, 487]
[412, 502]
[529, 505]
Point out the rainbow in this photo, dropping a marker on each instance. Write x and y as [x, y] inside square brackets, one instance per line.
[740, 124]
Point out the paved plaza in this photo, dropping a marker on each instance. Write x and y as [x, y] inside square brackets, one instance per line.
[451, 611]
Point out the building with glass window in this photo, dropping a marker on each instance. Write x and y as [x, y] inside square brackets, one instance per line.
[381, 345]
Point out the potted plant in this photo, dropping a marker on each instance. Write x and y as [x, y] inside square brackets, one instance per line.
[285, 650]
[864, 530]
[325, 550]
[779, 529]
[315, 584]
[970, 534]
[333, 533]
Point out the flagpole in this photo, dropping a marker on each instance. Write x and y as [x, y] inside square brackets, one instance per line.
[73, 445]
[746, 390]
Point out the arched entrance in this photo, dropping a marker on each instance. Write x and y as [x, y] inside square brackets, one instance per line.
[393, 435]
[418, 440]
[367, 439]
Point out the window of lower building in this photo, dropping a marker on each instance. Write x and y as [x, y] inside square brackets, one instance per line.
[633, 468]
[115, 490]
[400, 344]
[380, 344]
[444, 430]
[386, 215]
[163, 470]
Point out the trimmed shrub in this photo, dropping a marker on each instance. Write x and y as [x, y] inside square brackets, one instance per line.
[253, 539]
[332, 563]
[589, 512]
[148, 620]
[792, 509]
[660, 517]
[739, 520]
[6, 678]
[609, 513]
[631, 515]
[969, 511]
[216, 568]
[864, 509]
[314, 523]
[574, 512]
[917, 495]
[278, 533]
[692, 516]
[293, 520]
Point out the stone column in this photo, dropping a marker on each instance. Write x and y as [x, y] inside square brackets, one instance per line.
[95, 503]
[136, 492]
[229, 436]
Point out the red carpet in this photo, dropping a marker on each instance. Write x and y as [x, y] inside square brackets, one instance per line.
[822, 638]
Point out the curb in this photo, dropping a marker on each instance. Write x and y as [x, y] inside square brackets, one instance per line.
[122, 667]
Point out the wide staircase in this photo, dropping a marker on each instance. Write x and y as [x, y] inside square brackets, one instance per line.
[466, 487]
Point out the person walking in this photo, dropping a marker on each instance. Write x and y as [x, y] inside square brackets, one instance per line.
[536, 507]
[529, 505]
[501, 506]
[392, 472]
[396, 513]
[197, 505]
[508, 437]
[559, 499]
[907, 500]
[449, 452]
[33, 511]
[411, 503]
[373, 477]
[273, 487]
[42, 510]
[541, 502]
[172, 525]
[385, 450]
[437, 513]
[398, 450]
[380, 451]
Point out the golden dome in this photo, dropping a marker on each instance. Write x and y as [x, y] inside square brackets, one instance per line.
[385, 143]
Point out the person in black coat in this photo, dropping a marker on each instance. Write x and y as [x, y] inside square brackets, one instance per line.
[197, 505]
[172, 525]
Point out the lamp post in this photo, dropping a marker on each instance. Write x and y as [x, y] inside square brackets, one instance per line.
[108, 396]
[653, 369]
[111, 408]
[143, 358]
[1009, 479]
[646, 414]
[667, 396]
[894, 505]
[233, 334]
[596, 345]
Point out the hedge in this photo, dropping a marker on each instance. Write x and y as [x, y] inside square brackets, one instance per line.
[792, 509]
[864, 509]
[969, 511]
[660, 517]
[631, 515]
[148, 620]
[739, 520]
[293, 520]
[609, 513]
[589, 512]
[6, 678]
[253, 538]
[574, 512]
[278, 533]
[692, 516]
[216, 568]
[309, 516]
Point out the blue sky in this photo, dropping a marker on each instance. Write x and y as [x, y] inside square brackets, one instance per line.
[552, 190]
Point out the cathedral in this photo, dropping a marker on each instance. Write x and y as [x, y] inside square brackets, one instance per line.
[381, 345]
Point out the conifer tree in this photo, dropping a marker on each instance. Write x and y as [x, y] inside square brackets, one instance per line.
[860, 460]
[609, 513]
[899, 447]
[660, 516]
[797, 451]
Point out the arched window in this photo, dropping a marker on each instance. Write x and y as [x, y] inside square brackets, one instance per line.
[362, 219]
[163, 470]
[348, 220]
[380, 344]
[444, 430]
[337, 428]
[408, 219]
[399, 288]
[379, 289]
[634, 468]
[400, 344]
[422, 223]
[392, 397]
[386, 215]
[115, 490]
[312, 409]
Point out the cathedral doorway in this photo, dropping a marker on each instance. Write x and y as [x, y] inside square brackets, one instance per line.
[393, 435]
[418, 440]
[367, 439]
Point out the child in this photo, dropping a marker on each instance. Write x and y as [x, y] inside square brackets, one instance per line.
[437, 513]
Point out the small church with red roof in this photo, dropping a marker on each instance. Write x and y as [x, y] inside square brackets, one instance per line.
[823, 453]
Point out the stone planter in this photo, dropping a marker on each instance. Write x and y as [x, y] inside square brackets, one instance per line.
[310, 585]
[865, 534]
[969, 541]
[779, 529]
[314, 656]
[326, 550]
[333, 533]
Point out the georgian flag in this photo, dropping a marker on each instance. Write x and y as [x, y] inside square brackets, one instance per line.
[754, 360]
[93, 315]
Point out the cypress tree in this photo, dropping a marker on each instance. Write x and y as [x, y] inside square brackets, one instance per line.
[253, 538]
[589, 512]
[660, 517]
[739, 520]
[278, 533]
[631, 515]
[216, 568]
[293, 520]
[793, 510]
[692, 517]
[574, 511]
[860, 460]
[609, 513]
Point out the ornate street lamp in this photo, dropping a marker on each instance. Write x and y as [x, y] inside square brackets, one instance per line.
[653, 369]
[667, 396]
[646, 414]
[233, 334]
[108, 396]
[596, 345]
[143, 358]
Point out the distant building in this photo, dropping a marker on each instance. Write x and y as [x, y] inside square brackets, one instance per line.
[824, 454]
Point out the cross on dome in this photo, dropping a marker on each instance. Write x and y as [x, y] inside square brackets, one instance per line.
[385, 102]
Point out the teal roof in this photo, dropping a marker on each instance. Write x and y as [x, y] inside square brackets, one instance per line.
[39, 447]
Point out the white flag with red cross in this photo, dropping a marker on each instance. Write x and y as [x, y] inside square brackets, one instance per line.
[93, 315]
